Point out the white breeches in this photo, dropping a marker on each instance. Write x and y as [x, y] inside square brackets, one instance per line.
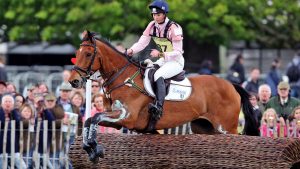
[168, 70]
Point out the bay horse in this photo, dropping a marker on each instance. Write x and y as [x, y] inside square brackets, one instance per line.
[213, 104]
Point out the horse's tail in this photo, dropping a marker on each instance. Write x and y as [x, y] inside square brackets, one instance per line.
[251, 126]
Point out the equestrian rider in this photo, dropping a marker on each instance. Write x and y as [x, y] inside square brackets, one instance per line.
[168, 36]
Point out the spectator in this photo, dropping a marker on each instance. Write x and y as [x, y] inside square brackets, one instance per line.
[257, 113]
[65, 76]
[264, 95]
[43, 88]
[283, 103]
[252, 84]
[294, 126]
[236, 73]
[3, 73]
[58, 112]
[274, 76]
[7, 114]
[41, 114]
[31, 89]
[27, 117]
[70, 109]
[19, 101]
[77, 99]
[269, 124]
[98, 107]
[11, 88]
[293, 73]
[96, 86]
[206, 68]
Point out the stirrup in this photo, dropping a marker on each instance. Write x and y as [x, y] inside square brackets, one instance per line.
[155, 111]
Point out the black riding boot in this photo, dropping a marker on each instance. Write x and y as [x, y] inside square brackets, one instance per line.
[156, 109]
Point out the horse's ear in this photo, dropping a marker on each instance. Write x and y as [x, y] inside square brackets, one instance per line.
[84, 34]
[90, 36]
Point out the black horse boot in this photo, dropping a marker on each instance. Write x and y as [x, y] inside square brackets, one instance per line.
[97, 151]
[156, 109]
[85, 144]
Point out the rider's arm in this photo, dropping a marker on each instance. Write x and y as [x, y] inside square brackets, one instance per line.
[141, 44]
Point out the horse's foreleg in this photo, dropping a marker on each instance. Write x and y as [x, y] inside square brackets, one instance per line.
[90, 144]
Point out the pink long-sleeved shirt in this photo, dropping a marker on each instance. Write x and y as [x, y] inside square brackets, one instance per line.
[175, 35]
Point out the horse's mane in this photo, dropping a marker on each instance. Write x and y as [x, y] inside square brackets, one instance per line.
[109, 44]
[141, 56]
[106, 41]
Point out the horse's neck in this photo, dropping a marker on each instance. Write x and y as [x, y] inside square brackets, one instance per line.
[111, 59]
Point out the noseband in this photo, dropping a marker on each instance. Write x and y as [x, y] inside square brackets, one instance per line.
[88, 71]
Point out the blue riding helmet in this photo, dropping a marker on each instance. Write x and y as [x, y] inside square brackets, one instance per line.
[159, 6]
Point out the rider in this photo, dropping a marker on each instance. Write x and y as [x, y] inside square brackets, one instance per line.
[168, 36]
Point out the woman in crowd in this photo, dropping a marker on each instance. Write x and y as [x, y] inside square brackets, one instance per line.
[27, 117]
[294, 125]
[77, 99]
[19, 101]
[270, 126]
[98, 107]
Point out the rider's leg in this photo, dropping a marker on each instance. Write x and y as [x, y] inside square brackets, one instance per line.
[168, 70]
[160, 92]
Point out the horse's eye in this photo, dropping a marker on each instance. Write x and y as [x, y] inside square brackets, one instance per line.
[88, 54]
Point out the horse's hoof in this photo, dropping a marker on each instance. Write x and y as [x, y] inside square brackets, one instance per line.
[99, 150]
[93, 158]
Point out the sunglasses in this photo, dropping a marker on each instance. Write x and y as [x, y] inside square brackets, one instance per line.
[50, 100]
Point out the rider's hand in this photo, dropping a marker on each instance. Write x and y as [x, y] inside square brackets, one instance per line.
[154, 53]
[129, 52]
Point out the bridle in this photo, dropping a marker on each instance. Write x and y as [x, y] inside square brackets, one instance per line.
[109, 77]
[88, 71]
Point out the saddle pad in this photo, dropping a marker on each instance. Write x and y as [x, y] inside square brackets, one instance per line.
[178, 91]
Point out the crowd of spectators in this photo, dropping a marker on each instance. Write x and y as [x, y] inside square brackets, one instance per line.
[274, 101]
[64, 107]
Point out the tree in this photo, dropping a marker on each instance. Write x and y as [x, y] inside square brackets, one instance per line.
[271, 23]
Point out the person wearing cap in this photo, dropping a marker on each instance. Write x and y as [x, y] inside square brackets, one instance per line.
[168, 35]
[58, 112]
[283, 103]
[65, 101]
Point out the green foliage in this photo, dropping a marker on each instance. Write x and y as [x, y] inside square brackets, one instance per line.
[272, 23]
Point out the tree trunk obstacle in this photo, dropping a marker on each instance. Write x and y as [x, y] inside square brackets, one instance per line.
[190, 151]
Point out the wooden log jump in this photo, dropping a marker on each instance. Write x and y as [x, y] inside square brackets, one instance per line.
[190, 151]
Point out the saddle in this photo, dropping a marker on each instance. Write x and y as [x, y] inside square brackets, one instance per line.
[178, 87]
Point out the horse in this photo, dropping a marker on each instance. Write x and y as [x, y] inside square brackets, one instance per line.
[213, 106]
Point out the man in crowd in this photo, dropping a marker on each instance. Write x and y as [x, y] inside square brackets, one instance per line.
[264, 95]
[283, 103]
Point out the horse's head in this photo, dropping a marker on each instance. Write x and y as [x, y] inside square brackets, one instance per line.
[86, 61]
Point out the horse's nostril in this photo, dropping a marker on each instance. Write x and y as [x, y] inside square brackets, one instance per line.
[74, 83]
